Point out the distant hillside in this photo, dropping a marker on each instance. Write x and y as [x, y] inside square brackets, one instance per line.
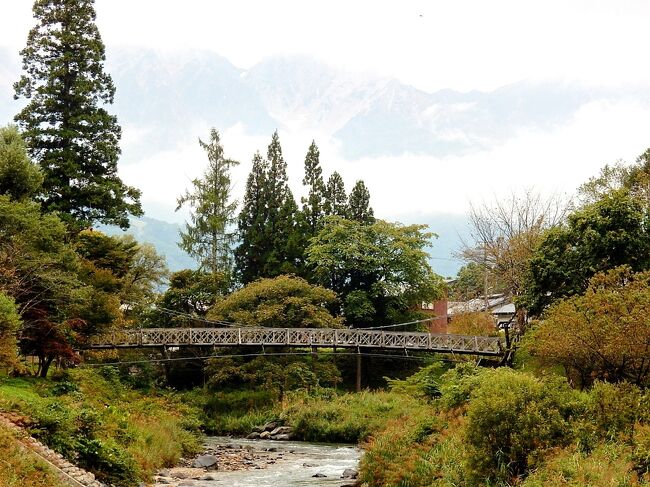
[162, 235]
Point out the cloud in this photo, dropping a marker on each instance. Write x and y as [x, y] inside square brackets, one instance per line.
[466, 44]
[552, 161]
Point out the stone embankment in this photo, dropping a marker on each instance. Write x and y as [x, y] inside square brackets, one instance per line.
[69, 473]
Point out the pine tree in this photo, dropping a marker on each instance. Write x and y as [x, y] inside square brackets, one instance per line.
[250, 255]
[359, 204]
[336, 201]
[209, 237]
[67, 130]
[313, 204]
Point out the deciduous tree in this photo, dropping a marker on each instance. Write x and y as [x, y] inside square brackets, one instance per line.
[282, 302]
[19, 177]
[380, 271]
[608, 233]
[603, 334]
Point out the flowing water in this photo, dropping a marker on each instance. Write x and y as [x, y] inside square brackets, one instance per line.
[300, 461]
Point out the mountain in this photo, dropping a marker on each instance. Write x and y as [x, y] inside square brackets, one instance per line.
[164, 96]
[160, 234]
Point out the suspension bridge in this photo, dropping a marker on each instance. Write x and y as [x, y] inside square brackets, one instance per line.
[314, 338]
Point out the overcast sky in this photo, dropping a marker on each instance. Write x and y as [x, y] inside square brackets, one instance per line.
[462, 45]
[456, 44]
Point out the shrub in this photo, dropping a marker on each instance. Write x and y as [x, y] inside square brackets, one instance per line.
[425, 383]
[512, 419]
[457, 384]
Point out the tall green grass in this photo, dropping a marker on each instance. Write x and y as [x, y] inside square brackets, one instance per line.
[121, 435]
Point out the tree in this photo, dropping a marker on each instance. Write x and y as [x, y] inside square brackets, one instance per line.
[40, 271]
[191, 293]
[67, 130]
[209, 237]
[19, 177]
[281, 230]
[359, 204]
[147, 274]
[471, 283]
[635, 178]
[380, 271]
[336, 201]
[505, 235]
[479, 323]
[250, 254]
[313, 204]
[9, 324]
[282, 302]
[603, 334]
[611, 232]
[270, 238]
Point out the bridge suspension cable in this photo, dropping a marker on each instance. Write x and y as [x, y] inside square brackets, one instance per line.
[200, 319]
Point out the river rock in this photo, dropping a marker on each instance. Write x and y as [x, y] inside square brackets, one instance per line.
[210, 477]
[281, 437]
[255, 435]
[270, 426]
[319, 475]
[281, 430]
[349, 473]
[265, 435]
[205, 461]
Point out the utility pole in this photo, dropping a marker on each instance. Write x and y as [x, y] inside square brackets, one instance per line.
[485, 276]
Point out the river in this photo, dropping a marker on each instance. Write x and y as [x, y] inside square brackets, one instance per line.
[294, 464]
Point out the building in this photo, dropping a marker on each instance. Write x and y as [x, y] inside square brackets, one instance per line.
[498, 305]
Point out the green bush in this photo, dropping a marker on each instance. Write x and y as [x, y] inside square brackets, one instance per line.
[457, 384]
[513, 419]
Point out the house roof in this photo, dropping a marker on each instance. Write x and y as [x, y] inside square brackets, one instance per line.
[496, 304]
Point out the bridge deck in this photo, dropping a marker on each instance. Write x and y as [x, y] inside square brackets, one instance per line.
[298, 337]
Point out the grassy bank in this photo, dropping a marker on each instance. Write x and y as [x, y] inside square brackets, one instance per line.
[19, 467]
[119, 434]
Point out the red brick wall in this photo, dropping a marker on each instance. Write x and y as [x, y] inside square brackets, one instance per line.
[439, 325]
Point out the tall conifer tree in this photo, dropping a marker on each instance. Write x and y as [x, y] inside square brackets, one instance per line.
[281, 230]
[359, 204]
[67, 129]
[209, 236]
[336, 200]
[313, 204]
[251, 253]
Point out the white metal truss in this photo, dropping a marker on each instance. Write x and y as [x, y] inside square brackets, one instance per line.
[297, 337]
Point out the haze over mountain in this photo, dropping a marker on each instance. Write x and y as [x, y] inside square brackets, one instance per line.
[423, 155]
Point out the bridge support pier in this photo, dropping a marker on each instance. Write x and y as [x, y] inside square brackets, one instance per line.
[358, 385]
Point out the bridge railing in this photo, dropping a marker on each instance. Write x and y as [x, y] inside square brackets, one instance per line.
[297, 337]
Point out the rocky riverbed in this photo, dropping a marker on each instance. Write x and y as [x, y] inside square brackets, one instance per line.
[259, 463]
